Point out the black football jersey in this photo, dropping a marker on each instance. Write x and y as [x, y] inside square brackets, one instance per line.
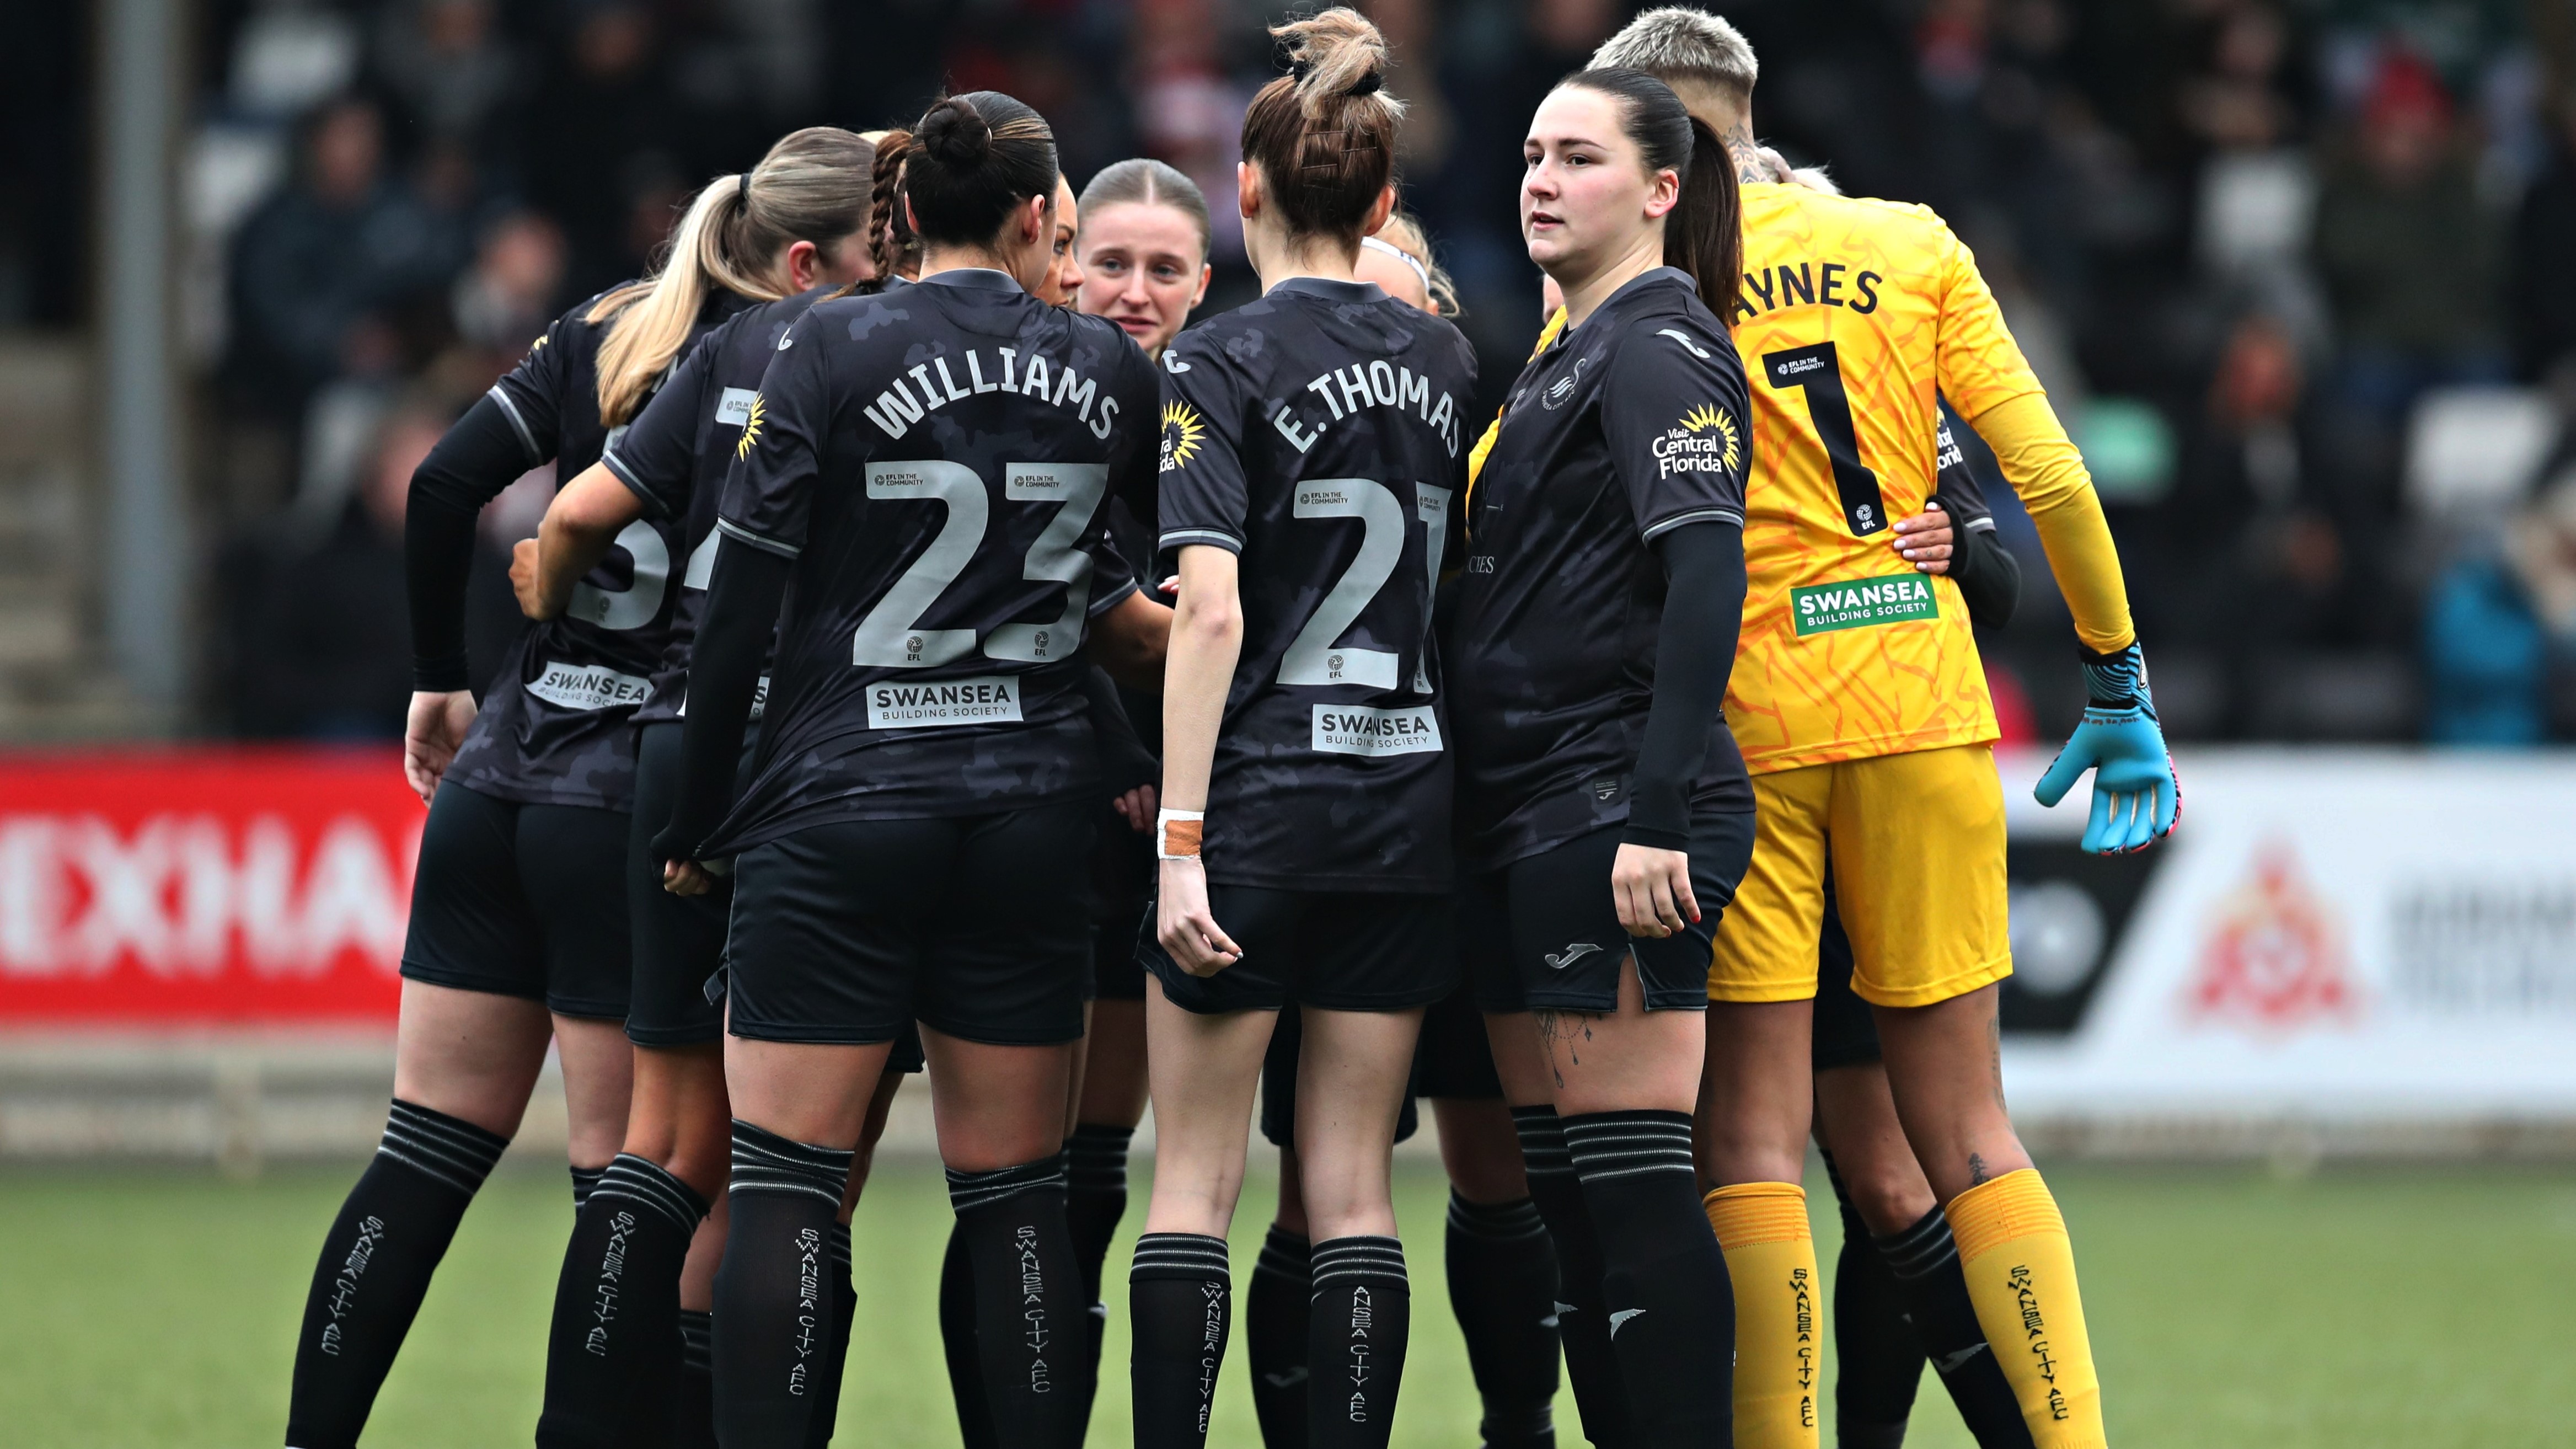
[1954, 482]
[676, 455]
[1318, 433]
[1622, 429]
[556, 725]
[936, 459]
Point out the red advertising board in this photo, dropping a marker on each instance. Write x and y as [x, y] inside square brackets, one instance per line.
[204, 887]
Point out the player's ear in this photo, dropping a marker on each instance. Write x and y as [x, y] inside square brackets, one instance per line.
[1379, 211]
[1207, 274]
[1664, 193]
[1247, 189]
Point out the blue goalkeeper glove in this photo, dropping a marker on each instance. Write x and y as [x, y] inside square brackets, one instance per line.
[2136, 799]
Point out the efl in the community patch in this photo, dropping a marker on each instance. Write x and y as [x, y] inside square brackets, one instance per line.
[1856, 603]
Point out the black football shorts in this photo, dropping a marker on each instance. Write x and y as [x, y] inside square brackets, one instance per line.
[1340, 950]
[679, 940]
[977, 926]
[522, 900]
[1543, 934]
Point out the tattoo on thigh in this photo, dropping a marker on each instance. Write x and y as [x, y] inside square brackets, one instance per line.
[1569, 1028]
[1977, 1171]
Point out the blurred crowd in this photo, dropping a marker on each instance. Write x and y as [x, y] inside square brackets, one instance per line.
[2296, 272]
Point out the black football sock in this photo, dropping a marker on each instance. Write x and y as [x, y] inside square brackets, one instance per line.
[957, 1344]
[584, 1181]
[375, 1268]
[693, 1394]
[617, 1305]
[1095, 1198]
[1276, 1311]
[1363, 1316]
[775, 1288]
[1924, 1259]
[1878, 1361]
[845, 1308]
[1502, 1286]
[1180, 1304]
[1582, 1318]
[1029, 1313]
[1672, 1308]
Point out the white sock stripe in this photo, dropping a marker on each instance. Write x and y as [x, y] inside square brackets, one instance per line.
[783, 1187]
[465, 1147]
[642, 1180]
[1501, 1223]
[796, 1157]
[1181, 1255]
[1611, 1174]
[968, 1191]
[1584, 1135]
[466, 1183]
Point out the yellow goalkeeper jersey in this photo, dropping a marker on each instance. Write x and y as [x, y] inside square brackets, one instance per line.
[1854, 315]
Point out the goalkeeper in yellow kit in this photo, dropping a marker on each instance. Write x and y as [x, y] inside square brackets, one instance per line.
[1861, 707]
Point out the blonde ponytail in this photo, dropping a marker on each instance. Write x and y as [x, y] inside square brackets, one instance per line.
[812, 186]
[652, 317]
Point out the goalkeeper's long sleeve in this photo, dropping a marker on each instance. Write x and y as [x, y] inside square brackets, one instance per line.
[2045, 470]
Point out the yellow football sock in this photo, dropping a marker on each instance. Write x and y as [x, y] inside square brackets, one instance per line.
[1762, 1228]
[2021, 1276]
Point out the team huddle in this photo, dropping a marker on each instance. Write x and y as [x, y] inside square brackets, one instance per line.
[946, 657]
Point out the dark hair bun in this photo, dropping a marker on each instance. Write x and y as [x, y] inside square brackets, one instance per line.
[955, 133]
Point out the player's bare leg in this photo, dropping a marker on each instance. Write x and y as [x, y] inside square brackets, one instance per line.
[1205, 1070]
[464, 1065]
[1945, 1069]
[1353, 1070]
[1899, 1297]
[1750, 1139]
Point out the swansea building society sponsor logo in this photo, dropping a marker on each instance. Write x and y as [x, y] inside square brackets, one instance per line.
[1704, 441]
[1183, 434]
[1357, 730]
[987, 699]
[589, 686]
[1859, 603]
[752, 417]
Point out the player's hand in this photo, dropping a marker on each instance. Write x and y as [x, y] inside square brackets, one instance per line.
[2136, 798]
[1924, 540]
[686, 878]
[432, 733]
[1183, 924]
[1136, 807]
[524, 582]
[1653, 891]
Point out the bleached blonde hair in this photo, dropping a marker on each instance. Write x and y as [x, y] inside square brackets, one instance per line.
[1677, 44]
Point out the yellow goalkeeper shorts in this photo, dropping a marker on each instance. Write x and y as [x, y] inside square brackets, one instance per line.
[1916, 846]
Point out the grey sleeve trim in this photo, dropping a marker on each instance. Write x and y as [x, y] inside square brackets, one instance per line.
[519, 425]
[731, 529]
[1180, 536]
[1979, 525]
[1696, 515]
[1116, 597]
[617, 469]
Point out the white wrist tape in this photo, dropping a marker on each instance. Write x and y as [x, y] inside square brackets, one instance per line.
[1176, 834]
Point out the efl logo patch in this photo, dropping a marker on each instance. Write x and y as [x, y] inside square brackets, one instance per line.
[1823, 608]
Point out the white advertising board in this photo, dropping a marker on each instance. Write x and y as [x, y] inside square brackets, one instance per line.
[2331, 934]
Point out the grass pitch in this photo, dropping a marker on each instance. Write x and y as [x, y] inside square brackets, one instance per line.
[2402, 1308]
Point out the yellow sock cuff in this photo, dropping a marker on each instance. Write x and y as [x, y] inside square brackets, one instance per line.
[1752, 1213]
[2015, 1205]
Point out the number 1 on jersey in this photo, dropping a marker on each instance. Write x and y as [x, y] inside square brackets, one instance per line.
[1817, 371]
